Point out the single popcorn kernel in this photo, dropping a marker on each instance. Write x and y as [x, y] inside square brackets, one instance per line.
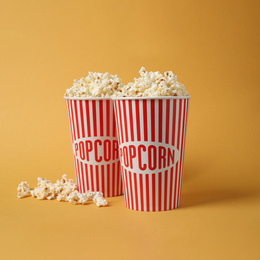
[23, 190]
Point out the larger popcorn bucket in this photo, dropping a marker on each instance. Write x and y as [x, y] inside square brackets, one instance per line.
[151, 135]
[95, 145]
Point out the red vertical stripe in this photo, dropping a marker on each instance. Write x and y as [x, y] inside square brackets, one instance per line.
[120, 122]
[113, 122]
[125, 120]
[79, 184]
[171, 188]
[108, 181]
[159, 191]
[174, 122]
[108, 117]
[165, 189]
[167, 121]
[179, 125]
[72, 116]
[113, 178]
[103, 179]
[82, 177]
[152, 121]
[76, 117]
[94, 117]
[131, 119]
[160, 119]
[153, 191]
[88, 117]
[145, 119]
[137, 120]
[117, 120]
[87, 179]
[136, 191]
[175, 186]
[82, 119]
[126, 188]
[147, 192]
[141, 191]
[101, 117]
[119, 178]
[131, 189]
[92, 177]
[97, 178]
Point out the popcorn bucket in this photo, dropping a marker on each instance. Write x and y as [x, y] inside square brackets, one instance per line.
[151, 134]
[95, 145]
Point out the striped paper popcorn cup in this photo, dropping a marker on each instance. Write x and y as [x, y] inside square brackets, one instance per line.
[151, 134]
[95, 145]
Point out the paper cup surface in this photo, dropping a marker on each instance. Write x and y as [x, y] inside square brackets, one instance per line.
[95, 145]
[151, 135]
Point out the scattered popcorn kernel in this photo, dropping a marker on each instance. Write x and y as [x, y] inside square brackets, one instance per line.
[23, 190]
[62, 190]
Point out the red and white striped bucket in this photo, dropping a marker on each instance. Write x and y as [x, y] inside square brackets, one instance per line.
[151, 135]
[95, 145]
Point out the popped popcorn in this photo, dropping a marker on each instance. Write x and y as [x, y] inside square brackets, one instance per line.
[95, 85]
[62, 190]
[23, 190]
[153, 84]
[99, 199]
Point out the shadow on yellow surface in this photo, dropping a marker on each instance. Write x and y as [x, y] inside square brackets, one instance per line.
[190, 199]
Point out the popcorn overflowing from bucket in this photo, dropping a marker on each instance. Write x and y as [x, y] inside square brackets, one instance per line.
[153, 84]
[95, 85]
[62, 190]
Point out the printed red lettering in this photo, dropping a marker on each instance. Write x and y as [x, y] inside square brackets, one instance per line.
[144, 166]
[98, 159]
[89, 148]
[81, 150]
[107, 150]
[115, 150]
[162, 157]
[125, 154]
[152, 160]
[132, 154]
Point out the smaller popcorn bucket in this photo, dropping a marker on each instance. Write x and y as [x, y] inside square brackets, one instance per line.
[95, 145]
[151, 134]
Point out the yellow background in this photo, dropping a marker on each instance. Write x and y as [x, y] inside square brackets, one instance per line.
[213, 47]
